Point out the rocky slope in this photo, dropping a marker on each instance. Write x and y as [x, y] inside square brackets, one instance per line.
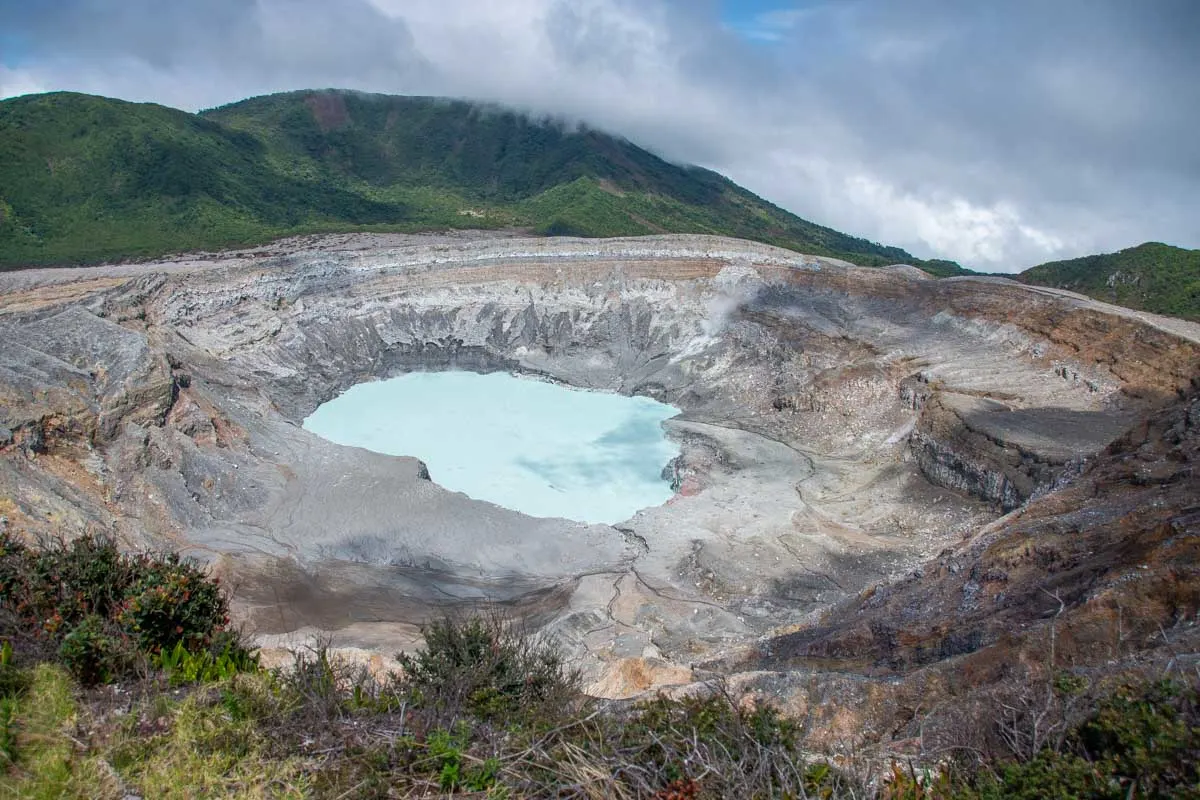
[843, 428]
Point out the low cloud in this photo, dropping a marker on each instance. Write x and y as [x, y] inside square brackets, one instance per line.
[997, 135]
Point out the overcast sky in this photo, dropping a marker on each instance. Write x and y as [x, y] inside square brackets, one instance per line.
[1000, 134]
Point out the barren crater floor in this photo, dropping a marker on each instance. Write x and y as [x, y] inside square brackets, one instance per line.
[838, 428]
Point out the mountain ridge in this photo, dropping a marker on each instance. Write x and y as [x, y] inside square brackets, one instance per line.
[85, 179]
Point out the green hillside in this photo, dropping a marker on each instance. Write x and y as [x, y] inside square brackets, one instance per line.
[1150, 277]
[85, 179]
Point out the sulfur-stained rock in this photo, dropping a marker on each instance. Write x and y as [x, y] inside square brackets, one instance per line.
[630, 677]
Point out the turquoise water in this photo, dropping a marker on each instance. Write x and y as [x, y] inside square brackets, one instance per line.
[535, 447]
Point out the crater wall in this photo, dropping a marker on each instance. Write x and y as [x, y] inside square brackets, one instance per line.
[841, 425]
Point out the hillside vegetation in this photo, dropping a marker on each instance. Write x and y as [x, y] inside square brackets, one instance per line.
[480, 710]
[85, 179]
[1150, 277]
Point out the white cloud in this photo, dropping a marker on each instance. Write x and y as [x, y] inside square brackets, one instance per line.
[953, 226]
[993, 237]
[997, 141]
[16, 82]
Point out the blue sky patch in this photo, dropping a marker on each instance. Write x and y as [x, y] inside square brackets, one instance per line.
[762, 20]
[13, 49]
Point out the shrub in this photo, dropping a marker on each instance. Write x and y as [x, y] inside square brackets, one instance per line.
[481, 708]
[91, 652]
[711, 747]
[481, 665]
[1146, 736]
[447, 754]
[59, 585]
[173, 601]
[90, 573]
[1141, 740]
[97, 610]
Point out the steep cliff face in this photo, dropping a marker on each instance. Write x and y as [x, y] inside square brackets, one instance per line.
[73, 377]
[841, 427]
[1003, 454]
[1112, 557]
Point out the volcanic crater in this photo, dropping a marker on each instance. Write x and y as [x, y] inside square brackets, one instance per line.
[841, 427]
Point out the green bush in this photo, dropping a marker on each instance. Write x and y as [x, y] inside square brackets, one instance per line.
[173, 601]
[1141, 741]
[91, 652]
[447, 754]
[719, 748]
[481, 666]
[98, 610]
[54, 588]
[1146, 736]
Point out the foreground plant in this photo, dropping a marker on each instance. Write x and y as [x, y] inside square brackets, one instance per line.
[103, 613]
[486, 667]
[1140, 740]
[484, 710]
